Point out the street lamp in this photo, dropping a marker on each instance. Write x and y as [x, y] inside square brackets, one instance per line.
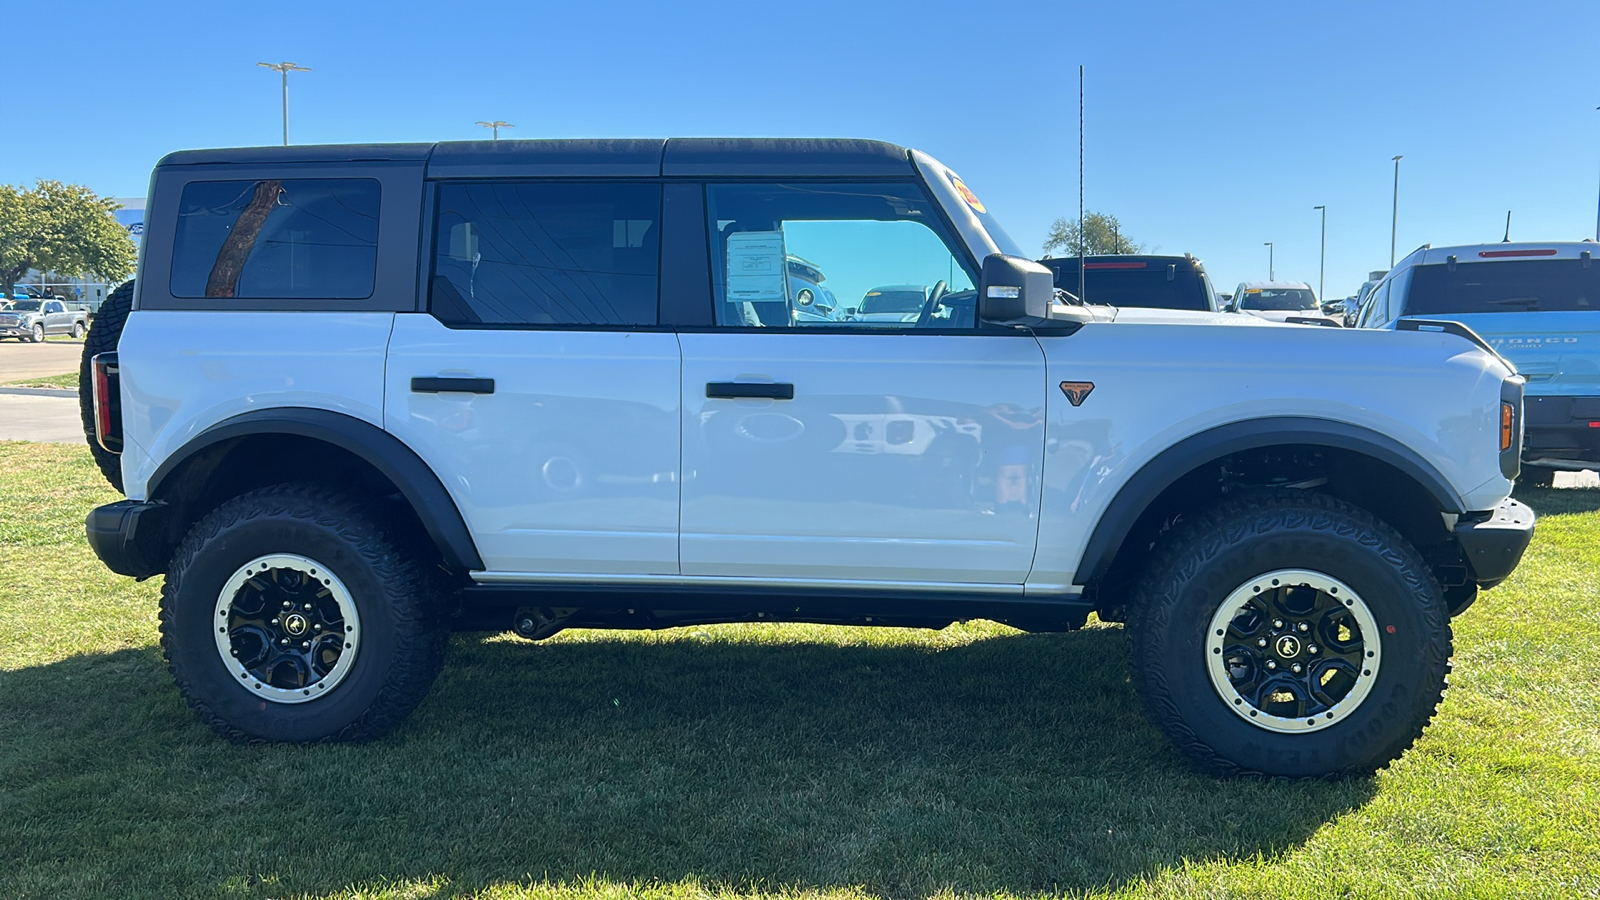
[497, 125]
[284, 68]
[1272, 272]
[1394, 218]
[1322, 268]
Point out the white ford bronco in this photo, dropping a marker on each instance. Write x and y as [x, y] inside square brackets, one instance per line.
[365, 395]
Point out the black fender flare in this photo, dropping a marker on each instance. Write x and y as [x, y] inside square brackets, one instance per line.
[397, 462]
[1173, 463]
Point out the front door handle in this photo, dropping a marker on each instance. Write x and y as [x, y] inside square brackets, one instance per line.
[739, 390]
[452, 385]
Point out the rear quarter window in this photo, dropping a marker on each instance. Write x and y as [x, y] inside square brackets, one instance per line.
[305, 238]
[1544, 285]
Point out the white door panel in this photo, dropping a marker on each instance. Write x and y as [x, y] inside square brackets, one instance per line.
[571, 465]
[907, 458]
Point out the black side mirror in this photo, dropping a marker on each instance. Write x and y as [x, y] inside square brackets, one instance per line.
[1017, 291]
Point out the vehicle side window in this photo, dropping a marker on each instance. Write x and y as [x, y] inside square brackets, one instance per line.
[1377, 312]
[54, 307]
[835, 255]
[556, 253]
[1399, 290]
[306, 238]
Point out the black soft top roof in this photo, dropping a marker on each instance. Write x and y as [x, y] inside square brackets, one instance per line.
[703, 157]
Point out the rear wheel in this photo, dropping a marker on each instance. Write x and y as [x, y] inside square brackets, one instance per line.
[290, 614]
[77, 330]
[102, 338]
[1289, 633]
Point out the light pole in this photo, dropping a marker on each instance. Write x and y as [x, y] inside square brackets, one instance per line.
[1322, 267]
[1394, 216]
[284, 68]
[1272, 272]
[497, 125]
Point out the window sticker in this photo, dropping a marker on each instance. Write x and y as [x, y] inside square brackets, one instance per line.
[966, 193]
[756, 270]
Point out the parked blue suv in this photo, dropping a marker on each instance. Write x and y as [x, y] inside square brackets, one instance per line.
[1539, 306]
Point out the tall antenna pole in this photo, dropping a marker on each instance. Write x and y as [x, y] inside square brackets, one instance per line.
[1322, 269]
[1083, 256]
[1394, 217]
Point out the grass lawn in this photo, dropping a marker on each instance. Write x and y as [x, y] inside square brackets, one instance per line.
[69, 380]
[781, 761]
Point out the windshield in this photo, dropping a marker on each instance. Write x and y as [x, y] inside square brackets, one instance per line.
[1545, 285]
[1279, 300]
[26, 306]
[892, 301]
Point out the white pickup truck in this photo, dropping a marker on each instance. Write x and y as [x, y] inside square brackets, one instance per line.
[363, 395]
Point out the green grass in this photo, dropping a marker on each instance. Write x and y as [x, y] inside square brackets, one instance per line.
[69, 380]
[773, 761]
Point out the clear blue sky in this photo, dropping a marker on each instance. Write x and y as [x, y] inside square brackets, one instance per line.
[1212, 127]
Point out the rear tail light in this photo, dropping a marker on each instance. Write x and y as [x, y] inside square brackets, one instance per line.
[107, 402]
[1508, 422]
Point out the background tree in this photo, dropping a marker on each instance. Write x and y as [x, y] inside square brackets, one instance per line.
[1102, 236]
[62, 228]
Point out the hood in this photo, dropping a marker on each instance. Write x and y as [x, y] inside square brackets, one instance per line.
[1145, 316]
[1282, 315]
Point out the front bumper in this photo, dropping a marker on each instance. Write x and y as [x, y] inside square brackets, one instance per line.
[130, 537]
[1493, 542]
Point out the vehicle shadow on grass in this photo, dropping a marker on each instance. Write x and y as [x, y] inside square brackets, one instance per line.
[736, 759]
[1560, 501]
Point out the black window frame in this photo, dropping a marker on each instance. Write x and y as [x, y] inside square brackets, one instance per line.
[399, 226]
[429, 256]
[950, 235]
[377, 241]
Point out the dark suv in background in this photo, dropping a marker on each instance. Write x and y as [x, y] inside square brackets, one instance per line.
[1158, 282]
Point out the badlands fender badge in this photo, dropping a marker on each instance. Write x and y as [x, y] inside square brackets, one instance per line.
[1077, 391]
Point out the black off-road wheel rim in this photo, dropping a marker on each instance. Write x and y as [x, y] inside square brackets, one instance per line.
[1293, 651]
[287, 628]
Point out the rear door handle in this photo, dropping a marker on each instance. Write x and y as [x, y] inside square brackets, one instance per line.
[734, 390]
[452, 385]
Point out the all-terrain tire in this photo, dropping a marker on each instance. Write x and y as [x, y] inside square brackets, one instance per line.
[396, 652]
[102, 338]
[1182, 639]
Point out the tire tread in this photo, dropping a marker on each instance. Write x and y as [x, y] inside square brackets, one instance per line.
[1193, 543]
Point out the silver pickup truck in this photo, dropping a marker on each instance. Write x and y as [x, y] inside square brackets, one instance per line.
[32, 319]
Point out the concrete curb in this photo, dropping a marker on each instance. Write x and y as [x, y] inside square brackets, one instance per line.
[62, 393]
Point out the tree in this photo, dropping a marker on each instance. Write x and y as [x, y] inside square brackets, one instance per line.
[61, 228]
[1102, 236]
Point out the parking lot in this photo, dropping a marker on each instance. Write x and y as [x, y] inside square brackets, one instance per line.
[20, 360]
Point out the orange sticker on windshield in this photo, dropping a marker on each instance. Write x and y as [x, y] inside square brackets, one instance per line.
[966, 193]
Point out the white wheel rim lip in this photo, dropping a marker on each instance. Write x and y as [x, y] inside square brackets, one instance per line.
[341, 596]
[1216, 664]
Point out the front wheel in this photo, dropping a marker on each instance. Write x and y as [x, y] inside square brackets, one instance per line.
[1289, 633]
[290, 614]
[37, 334]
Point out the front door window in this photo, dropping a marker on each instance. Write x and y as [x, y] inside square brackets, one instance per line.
[835, 255]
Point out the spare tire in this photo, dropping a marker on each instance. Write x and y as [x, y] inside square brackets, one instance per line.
[102, 338]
